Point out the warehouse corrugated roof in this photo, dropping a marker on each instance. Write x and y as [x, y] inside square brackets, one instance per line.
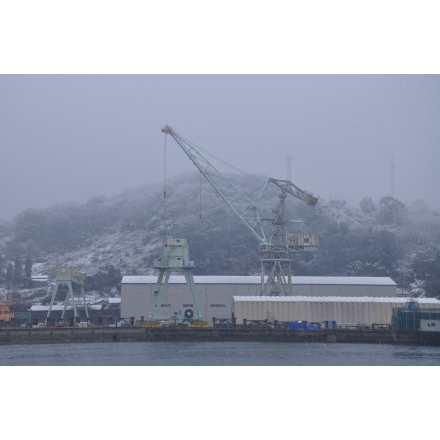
[363, 299]
[230, 279]
[57, 307]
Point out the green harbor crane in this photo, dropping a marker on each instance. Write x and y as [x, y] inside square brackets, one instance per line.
[175, 259]
[276, 276]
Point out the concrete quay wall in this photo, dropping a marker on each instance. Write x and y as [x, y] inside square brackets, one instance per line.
[135, 334]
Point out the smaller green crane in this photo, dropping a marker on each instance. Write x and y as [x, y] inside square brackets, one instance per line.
[69, 278]
[175, 259]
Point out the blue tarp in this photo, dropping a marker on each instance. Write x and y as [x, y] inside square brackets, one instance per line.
[301, 325]
[297, 325]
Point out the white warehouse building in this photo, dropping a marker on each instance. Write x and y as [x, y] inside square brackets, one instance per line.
[215, 294]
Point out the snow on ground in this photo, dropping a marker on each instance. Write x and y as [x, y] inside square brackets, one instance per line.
[126, 251]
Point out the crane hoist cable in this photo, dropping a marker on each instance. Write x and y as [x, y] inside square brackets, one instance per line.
[200, 197]
[165, 168]
[259, 181]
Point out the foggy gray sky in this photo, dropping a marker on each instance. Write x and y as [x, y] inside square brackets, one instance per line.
[66, 138]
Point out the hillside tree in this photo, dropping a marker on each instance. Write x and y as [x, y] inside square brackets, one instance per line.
[391, 211]
[2, 268]
[367, 205]
[9, 276]
[28, 271]
[18, 271]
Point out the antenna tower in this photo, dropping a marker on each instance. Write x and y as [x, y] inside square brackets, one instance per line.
[392, 182]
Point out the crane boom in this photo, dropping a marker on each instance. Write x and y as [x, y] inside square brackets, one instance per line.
[244, 208]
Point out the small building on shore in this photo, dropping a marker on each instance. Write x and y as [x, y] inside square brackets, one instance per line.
[40, 280]
[98, 313]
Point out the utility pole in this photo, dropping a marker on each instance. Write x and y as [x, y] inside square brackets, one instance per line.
[392, 178]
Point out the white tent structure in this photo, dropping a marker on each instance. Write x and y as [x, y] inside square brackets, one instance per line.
[343, 310]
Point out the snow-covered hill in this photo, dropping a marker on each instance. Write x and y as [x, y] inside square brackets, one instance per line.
[127, 231]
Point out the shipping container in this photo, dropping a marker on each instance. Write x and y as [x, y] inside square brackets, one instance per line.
[430, 325]
[329, 324]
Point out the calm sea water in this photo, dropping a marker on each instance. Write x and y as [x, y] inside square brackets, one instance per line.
[217, 354]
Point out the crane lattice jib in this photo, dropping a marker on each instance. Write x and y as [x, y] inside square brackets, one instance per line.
[244, 208]
[288, 187]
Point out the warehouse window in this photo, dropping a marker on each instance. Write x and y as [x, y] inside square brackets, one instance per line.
[217, 305]
[188, 305]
